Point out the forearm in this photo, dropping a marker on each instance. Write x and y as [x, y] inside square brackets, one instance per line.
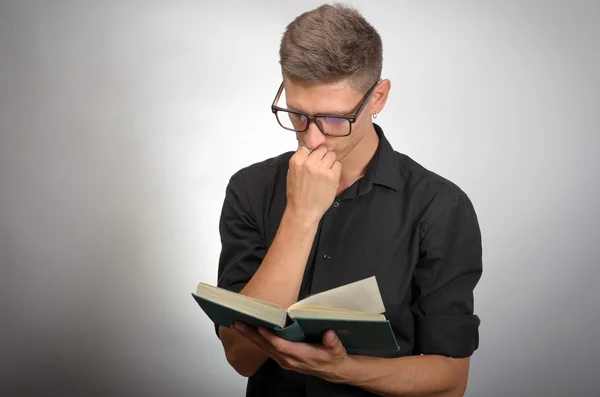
[278, 281]
[279, 277]
[426, 375]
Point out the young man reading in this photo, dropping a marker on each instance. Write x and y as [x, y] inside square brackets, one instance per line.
[345, 206]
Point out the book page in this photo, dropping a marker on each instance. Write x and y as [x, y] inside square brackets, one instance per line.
[361, 296]
[304, 312]
[251, 306]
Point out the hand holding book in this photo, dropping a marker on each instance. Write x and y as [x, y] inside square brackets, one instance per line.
[328, 360]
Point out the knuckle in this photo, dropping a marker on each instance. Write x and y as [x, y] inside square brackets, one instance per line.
[283, 349]
[277, 345]
[287, 363]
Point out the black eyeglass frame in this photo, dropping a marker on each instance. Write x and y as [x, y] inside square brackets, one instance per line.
[351, 118]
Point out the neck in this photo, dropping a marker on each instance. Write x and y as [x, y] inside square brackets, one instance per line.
[355, 163]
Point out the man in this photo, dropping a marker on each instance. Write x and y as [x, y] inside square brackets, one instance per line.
[341, 208]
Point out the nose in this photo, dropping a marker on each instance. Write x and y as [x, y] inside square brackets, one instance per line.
[313, 137]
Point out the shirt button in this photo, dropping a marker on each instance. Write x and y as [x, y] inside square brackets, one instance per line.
[336, 204]
[326, 256]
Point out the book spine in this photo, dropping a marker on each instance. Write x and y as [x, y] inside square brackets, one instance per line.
[292, 332]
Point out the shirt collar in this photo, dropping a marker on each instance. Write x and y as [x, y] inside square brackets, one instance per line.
[383, 169]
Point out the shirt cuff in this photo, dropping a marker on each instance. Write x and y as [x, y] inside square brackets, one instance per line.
[450, 336]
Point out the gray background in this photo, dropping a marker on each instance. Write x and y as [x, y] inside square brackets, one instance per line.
[121, 122]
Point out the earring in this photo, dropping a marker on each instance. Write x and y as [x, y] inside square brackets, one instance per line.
[374, 115]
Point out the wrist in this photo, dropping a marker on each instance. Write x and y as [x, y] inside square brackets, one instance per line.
[299, 222]
[348, 371]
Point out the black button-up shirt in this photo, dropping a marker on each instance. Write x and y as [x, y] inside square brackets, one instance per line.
[414, 230]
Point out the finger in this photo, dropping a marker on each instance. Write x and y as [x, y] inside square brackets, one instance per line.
[303, 151]
[279, 344]
[253, 336]
[318, 153]
[337, 167]
[277, 348]
[297, 352]
[243, 330]
[250, 333]
[330, 340]
[332, 343]
[265, 333]
[328, 160]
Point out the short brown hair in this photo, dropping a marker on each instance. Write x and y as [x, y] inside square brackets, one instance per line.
[329, 44]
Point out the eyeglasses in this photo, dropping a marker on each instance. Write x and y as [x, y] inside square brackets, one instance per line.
[332, 125]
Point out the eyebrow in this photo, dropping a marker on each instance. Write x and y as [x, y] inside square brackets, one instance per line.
[350, 113]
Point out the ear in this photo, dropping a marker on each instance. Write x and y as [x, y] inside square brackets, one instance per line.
[380, 96]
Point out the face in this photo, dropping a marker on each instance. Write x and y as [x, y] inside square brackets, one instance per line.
[336, 99]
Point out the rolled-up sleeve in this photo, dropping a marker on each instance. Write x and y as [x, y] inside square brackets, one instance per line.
[242, 246]
[449, 268]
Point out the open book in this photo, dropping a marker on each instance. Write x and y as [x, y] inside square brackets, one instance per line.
[353, 311]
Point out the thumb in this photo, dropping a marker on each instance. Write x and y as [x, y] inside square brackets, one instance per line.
[330, 340]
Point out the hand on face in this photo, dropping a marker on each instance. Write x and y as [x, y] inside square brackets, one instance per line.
[312, 182]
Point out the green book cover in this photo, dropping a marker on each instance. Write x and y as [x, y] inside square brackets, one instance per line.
[352, 311]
